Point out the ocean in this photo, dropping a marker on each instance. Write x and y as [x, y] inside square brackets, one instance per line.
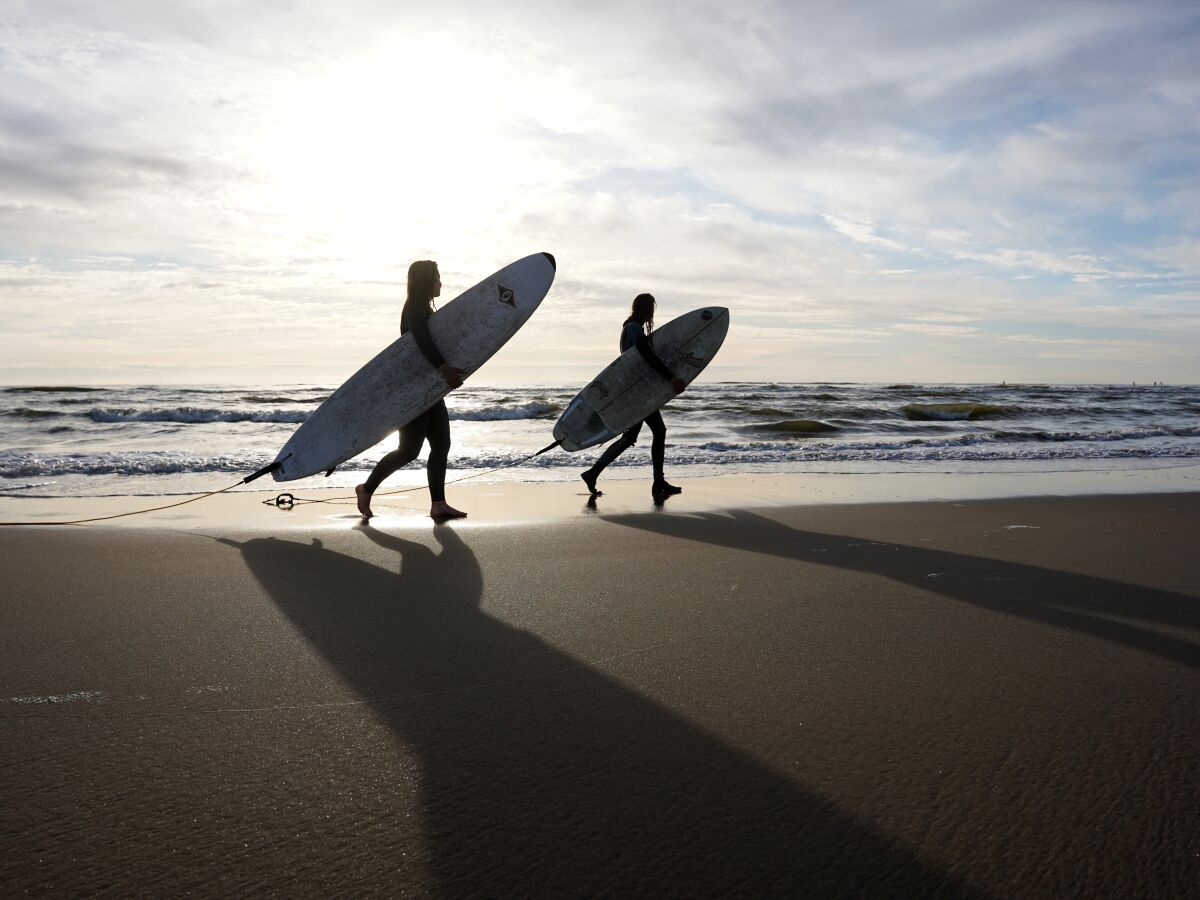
[170, 440]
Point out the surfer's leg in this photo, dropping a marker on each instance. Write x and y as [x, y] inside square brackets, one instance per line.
[658, 443]
[438, 434]
[658, 453]
[615, 449]
[412, 436]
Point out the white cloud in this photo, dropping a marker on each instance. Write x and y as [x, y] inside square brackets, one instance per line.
[921, 328]
[836, 169]
[862, 232]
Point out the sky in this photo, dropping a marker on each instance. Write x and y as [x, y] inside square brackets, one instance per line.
[223, 191]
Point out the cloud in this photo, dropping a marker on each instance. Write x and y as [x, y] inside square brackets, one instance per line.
[920, 328]
[862, 232]
[885, 170]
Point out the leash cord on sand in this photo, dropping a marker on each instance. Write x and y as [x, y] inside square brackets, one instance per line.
[136, 512]
[287, 501]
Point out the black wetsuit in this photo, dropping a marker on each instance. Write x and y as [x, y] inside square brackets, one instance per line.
[432, 425]
[634, 335]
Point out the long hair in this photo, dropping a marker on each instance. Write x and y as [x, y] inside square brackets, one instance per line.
[421, 277]
[643, 310]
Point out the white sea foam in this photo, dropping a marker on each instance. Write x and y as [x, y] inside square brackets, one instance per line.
[189, 415]
[538, 409]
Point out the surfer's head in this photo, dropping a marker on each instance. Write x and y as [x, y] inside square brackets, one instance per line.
[424, 281]
[643, 309]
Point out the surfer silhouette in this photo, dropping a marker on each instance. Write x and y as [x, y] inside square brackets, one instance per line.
[635, 332]
[433, 425]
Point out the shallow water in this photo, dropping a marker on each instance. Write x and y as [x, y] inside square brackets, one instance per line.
[89, 440]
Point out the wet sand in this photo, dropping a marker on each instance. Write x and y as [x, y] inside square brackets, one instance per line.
[988, 698]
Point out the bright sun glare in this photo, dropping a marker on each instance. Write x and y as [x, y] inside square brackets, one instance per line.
[400, 144]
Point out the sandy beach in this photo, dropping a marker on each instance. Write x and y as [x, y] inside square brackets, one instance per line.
[723, 696]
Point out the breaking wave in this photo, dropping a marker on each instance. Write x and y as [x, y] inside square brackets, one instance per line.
[538, 409]
[191, 415]
[955, 412]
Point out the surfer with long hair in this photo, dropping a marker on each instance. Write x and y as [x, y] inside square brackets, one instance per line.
[635, 332]
[433, 425]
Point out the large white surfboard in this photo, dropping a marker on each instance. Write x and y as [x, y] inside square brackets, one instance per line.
[628, 390]
[399, 384]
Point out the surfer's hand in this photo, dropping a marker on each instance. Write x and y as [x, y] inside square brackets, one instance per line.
[453, 376]
[678, 384]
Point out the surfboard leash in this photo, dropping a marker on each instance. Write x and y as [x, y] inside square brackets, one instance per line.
[137, 512]
[287, 500]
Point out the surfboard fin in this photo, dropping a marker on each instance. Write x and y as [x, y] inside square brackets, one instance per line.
[331, 471]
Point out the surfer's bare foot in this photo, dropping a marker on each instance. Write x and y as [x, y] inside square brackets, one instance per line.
[590, 480]
[443, 510]
[663, 489]
[364, 501]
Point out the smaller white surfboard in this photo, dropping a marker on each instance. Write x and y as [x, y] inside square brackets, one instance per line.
[628, 390]
[399, 383]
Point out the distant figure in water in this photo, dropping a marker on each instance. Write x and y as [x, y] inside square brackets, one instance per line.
[635, 332]
[433, 425]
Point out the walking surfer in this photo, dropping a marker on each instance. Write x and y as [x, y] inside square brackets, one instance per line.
[635, 332]
[433, 425]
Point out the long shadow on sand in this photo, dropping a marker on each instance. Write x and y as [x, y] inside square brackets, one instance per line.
[542, 777]
[1110, 610]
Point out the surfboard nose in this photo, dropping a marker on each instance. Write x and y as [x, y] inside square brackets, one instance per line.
[553, 264]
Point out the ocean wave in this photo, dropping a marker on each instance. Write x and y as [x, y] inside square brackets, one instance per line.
[28, 486]
[50, 389]
[955, 412]
[759, 411]
[537, 409]
[275, 398]
[718, 453]
[985, 439]
[27, 413]
[28, 465]
[192, 415]
[1144, 432]
[30, 468]
[727, 426]
[861, 413]
[938, 390]
[796, 426]
[823, 409]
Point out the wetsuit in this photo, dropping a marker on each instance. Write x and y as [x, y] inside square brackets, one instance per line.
[432, 425]
[634, 335]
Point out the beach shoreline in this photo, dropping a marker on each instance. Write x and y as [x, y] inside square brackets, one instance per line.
[1061, 438]
[405, 502]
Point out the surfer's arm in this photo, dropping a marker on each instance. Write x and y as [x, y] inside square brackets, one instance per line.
[648, 354]
[418, 324]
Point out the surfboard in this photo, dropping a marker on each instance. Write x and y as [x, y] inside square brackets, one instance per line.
[628, 390]
[399, 384]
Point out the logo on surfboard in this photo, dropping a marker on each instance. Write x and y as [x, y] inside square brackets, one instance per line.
[507, 296]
